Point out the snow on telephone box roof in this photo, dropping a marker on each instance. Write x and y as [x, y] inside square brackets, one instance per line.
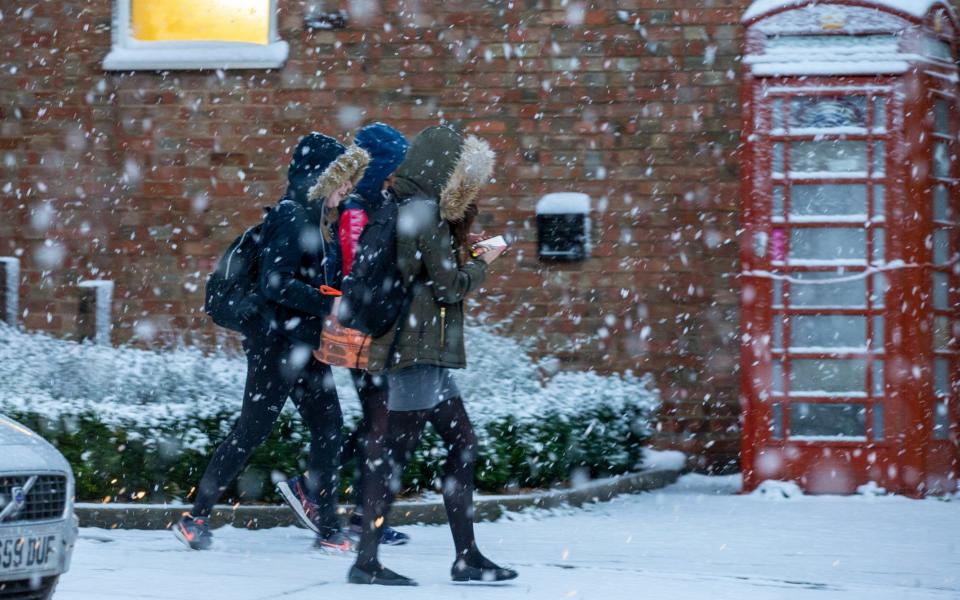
[913, 8]
[860, 37]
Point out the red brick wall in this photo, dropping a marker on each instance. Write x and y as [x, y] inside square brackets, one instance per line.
[151, 175]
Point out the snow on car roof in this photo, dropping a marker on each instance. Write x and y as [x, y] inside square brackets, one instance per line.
[914, 8]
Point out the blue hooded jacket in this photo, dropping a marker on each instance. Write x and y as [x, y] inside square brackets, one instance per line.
[387, 148]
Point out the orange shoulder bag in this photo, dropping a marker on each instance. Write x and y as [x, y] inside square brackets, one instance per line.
[341, 346]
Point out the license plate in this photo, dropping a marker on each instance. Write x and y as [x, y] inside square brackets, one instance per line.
[28, 553]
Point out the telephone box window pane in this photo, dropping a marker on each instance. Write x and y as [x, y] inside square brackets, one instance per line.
[879, 206]
[777, 292]
[778, 158]
[941, 121]
[829, 200]
[941, 421]
[879, 296]
[941, 204]
[778, 201]
[878, 382]
[201, 20]
[828, 376]
[941, 160]
[828, 244]
[820, 112]
[828, 332]
[777, 375]
[879, 113]
[941, 376]
[878, 242]
[828, 156]
[778, 245]
[879, 158]
[941, 289]
[941, 246]
[828, 420]
[777, 332]
[878, 421]
[778, 114]
[941, 333]
[814, 293]
[777, 425]
[877, 343]
[937, 49]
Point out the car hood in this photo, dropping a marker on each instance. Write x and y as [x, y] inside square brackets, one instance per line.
[23, 450]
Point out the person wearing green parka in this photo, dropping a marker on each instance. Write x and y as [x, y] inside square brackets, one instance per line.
[436, 187]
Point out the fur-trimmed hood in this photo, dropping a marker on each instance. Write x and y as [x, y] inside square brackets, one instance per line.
[472, 171]
[443, 165]
[348, 167]
[314, 153]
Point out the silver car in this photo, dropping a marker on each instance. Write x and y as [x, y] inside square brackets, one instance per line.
[37, 526]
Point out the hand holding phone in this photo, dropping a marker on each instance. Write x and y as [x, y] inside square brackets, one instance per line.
[489, 249]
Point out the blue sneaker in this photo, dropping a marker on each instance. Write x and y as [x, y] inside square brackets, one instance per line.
[388, 535]
[391, 537]
[295, 494]
[194, 532]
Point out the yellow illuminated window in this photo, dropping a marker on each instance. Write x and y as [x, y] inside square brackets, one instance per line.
[201, 20]
[161, 35]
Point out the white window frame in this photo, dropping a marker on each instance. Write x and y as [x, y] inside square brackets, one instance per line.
[130, 54]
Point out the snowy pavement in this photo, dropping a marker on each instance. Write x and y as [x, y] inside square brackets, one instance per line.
[695, 539]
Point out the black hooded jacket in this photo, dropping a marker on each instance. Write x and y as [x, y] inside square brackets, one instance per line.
[291, 272]
[291, 262]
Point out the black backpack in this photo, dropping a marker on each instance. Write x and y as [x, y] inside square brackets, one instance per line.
[233, 283]
[373, 292]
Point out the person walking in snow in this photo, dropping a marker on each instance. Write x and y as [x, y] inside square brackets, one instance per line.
[436, 187]
[282, 324]
[343, 221]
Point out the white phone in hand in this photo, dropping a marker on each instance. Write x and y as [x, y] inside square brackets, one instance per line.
[487, 244]
[494, 242]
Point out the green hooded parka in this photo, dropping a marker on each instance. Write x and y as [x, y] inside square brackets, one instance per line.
[435, 185]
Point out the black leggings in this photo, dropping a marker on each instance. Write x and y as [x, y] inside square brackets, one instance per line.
[278, 368]
[371, 432]
[449, 419]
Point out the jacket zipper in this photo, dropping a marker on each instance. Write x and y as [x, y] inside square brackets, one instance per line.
[443, 324]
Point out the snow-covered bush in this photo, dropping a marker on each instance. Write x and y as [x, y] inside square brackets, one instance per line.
[141, 424]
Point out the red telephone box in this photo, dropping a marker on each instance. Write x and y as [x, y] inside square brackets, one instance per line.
[850, 208]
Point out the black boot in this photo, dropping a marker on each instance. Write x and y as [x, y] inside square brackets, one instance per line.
[480, 569]
[377, 575]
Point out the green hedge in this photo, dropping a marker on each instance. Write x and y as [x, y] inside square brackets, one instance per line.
[143, 423]
[148, 465]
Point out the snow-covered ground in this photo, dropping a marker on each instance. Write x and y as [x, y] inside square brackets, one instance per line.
[695, 539]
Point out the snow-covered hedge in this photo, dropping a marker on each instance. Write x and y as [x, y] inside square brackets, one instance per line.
[140, 424]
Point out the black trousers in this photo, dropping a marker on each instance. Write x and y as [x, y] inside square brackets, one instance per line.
[449, 419]
[370, 434]
[277, 369]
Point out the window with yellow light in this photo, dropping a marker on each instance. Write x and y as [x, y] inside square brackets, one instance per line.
[201, 20]
[195, 34]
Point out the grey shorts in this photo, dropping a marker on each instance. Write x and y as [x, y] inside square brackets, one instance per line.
[420, 387]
